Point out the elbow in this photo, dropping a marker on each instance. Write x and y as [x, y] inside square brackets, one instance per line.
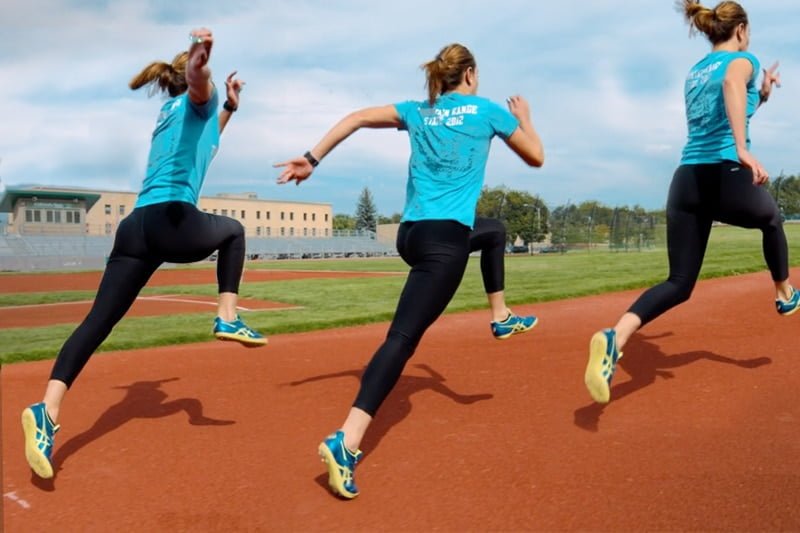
[535, 159]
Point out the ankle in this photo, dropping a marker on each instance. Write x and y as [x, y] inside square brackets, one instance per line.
[502, 316]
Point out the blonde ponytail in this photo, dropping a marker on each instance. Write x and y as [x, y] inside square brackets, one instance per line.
[168, 77]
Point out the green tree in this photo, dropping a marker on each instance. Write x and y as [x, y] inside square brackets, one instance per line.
[394, 219]
[342, 221]
[524, 215]
[366, 213]
[786, 191]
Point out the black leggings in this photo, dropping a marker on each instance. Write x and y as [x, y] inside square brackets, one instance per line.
[489, 236]
[174, 232]
[437, 252]
[700, 194]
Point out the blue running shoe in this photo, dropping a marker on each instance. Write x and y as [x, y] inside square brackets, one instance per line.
[341, 464]
[603, 357]
[39, 432]
[786, 308]
[512, 325]
[237, 331]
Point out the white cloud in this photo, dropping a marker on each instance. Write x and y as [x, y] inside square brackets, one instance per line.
[604, 79]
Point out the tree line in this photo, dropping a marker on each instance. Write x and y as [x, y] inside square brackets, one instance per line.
[527, 217]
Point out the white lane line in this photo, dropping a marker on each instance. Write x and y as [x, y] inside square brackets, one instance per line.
[14, 498]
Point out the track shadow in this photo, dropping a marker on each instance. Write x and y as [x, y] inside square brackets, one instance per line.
[645, 362]
[398, 404]
[143, 399]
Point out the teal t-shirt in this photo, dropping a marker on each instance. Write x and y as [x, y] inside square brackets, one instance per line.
[710, 137]
[449, 148]
[184, 142]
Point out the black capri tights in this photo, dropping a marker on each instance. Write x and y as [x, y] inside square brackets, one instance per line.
[173, 232]
[699, 195]
[437, 252]
[489, 236]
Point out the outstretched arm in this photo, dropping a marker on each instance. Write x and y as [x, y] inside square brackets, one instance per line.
[300, 168]
[198, 74]
[525, 142]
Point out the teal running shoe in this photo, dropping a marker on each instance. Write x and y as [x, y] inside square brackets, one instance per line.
[40, 433]
[513, 325]
[341, 464]
[603, 357]
[786, 308]
[237, 331]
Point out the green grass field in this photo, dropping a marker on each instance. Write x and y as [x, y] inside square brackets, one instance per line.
[330, 303]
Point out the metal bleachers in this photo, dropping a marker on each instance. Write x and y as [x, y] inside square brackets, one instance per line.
[64, 252]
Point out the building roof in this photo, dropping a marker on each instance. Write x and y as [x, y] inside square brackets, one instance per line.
[12, 195]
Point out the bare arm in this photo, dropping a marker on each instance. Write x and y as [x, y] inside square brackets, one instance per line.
[525, 142]
[233, 86]
[734, 91]
[198, 74]
[299, 168]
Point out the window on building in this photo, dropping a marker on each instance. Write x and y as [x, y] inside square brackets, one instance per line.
[267, 215]
[37, 216]
[283, 231]
[58, 217]
[258, 215]
[28, 215]
[233, 213]
[258, 230]
[305, 217]
[326, 232]
[305, 232]
[282, 213]
[326, 217]
[121, 210]
[313, 217]
[76, 217]
[269, 231]
[50, 217]
[108, 228]
[242, 214]
[108, 209]
[224, 212]
[313, 232]
[214, 211]
[69, 217]
[291, 215]
[291, 232]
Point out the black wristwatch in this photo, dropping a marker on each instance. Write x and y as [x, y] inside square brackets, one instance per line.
[228, 107]
[311, 159]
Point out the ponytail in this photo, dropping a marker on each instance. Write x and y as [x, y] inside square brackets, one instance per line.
[167, 77]
[444, 73]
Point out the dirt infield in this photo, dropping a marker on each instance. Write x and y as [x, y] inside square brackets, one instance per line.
[701, 433]
[86, 281]
[73, 312]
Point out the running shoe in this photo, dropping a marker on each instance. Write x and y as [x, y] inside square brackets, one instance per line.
[341, 464]
[513, 325]
[788, 307]
[237, 331]
[40, 433]
[603, 357]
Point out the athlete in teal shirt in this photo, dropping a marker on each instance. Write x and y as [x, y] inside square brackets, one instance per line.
[165, 226]
[450, 136]
[718, 179]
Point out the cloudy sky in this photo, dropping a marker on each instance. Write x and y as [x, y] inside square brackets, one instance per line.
[603, 77]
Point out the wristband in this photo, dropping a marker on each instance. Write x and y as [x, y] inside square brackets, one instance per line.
[311, 159]
[228, 107]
